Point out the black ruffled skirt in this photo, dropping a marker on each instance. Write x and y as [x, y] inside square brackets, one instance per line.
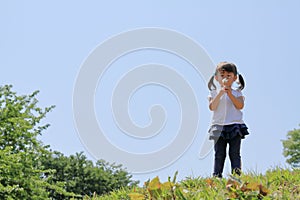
[228, 132]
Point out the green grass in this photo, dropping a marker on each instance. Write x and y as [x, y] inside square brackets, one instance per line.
[277, 183]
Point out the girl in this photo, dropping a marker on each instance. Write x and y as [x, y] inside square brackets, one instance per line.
[227, 126]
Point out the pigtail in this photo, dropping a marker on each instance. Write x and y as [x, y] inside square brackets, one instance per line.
[211, 84]
[242, 82]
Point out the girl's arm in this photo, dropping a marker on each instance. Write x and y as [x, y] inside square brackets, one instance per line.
[238, 102]
[214, 102]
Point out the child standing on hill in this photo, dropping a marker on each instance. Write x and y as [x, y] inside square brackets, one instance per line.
[227, 126]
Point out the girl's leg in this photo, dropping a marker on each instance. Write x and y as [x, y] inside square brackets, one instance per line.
[220, 155]
[234, 154]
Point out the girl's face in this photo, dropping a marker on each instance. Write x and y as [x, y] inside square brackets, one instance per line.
[225, 78]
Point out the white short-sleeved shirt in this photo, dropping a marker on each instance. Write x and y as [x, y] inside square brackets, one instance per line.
[226, 113]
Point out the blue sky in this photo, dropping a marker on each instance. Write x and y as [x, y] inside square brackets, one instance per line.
[43, 45]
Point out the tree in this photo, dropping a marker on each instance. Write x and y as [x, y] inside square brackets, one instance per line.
[82, 176]
[21, 169]
[30, 170]
[291, 147]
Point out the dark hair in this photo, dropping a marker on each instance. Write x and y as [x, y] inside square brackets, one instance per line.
[227, 67]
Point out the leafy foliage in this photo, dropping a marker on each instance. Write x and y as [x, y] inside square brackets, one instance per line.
[292, 147]
[82, 177]
[20, 151]
[29, 170]
[19, 119]
[275, 184]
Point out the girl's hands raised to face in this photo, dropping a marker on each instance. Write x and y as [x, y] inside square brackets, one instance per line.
[226, 85]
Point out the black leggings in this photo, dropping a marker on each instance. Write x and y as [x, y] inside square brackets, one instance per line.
[234, 155]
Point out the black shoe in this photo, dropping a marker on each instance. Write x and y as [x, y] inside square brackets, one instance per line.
[217, 175]
[236, 171]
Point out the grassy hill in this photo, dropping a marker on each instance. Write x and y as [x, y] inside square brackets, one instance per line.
[274, 184]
